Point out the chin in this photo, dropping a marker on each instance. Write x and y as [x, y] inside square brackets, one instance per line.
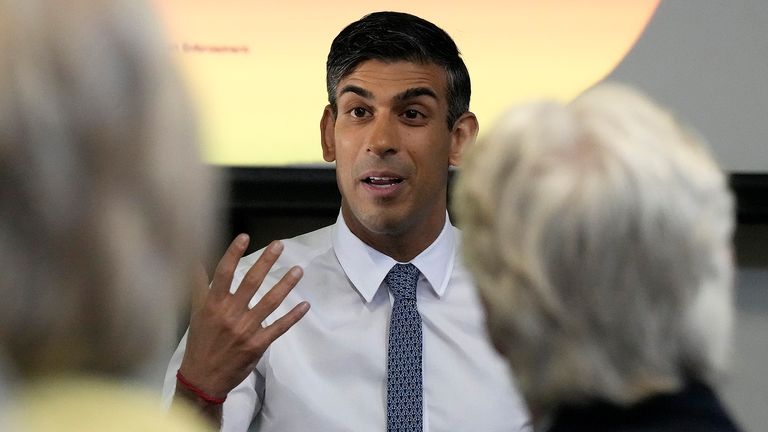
[384, 225]
[381, 221]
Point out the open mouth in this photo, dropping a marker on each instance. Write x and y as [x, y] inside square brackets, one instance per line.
[382, 181]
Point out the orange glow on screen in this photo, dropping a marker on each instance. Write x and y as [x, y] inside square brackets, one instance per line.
[257, 70]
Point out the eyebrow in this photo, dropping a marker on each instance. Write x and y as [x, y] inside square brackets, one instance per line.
[356, 90]
[415, 92]
[410, 93]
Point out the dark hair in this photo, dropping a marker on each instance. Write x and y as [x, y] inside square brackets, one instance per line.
[397, 36]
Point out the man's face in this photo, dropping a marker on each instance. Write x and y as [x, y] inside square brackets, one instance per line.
[392, 149]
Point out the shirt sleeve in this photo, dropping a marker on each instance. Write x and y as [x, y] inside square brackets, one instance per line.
[242, 403]
[169, 383]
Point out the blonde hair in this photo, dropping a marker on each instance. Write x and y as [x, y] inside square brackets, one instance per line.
[599, 236]
[105, 208]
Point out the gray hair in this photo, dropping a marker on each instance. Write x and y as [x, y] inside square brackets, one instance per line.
[599, 236]
[105, 207]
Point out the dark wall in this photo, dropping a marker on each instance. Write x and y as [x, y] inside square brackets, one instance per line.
[276, 203]
[270, 203]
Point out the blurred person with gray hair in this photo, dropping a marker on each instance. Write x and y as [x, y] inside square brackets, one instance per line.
[599, 236]
[105, 212]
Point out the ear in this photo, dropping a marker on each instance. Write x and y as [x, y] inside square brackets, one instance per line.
[327, 134]
[463, 135]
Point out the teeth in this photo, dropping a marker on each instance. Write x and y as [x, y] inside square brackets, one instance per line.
[383, 181]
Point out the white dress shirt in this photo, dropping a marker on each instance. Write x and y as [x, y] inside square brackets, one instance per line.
[328, 372]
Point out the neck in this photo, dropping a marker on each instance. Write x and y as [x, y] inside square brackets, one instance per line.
[401, 245]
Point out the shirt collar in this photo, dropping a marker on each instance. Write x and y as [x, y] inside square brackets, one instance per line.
[366, 267]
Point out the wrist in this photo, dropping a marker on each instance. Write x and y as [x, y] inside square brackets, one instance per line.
[199, 394]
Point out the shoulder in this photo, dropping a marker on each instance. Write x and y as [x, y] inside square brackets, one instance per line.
[299, 250]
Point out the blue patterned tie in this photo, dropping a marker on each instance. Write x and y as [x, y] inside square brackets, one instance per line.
[404, 389]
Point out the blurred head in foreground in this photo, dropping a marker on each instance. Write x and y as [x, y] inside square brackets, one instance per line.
[599, 235]
[104, 204]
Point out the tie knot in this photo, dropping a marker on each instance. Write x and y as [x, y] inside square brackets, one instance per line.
[402, 281]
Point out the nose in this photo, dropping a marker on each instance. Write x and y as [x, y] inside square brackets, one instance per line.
[382, 139]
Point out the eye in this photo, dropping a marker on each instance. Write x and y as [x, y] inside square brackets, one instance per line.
[358, 112]
[412, 114]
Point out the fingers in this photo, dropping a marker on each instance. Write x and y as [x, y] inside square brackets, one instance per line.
[258, 271]
[222, 278]
[200, 290]
[279, 327]
[276, 295]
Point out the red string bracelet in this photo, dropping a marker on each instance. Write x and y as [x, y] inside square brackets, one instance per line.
[194, 389]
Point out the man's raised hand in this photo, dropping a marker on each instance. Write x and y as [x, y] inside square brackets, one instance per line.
[226, 338]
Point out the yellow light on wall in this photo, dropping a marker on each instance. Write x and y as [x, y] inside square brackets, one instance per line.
[257, 70]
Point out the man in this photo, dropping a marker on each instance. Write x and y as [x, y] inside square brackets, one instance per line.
[397, 119]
